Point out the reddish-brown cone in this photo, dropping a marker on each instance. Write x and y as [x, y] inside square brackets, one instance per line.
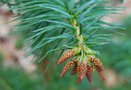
[74, 70]
[67, 67]
[82, 69]
[99, 68]
[65, 56]
[101, 73]
[89, 73]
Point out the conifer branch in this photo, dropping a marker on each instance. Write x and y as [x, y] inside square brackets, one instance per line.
[53, 25]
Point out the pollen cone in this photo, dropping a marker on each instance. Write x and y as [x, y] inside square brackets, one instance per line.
[74, 70]
[100, 71]
[66, 56]
[89, 73]
[99, 68]
[82, 69]
[67, 67]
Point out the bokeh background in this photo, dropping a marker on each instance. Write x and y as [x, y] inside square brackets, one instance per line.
[20, 73]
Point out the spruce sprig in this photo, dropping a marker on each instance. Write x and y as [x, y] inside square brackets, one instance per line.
[58, 25]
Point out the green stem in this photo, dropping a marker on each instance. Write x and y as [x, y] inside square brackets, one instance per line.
[78, 35]
[80, 39]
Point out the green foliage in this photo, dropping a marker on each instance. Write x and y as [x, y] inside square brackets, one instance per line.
[17, 79]
[1, 58]
[48, 25]
[117, 54]
[19, 43]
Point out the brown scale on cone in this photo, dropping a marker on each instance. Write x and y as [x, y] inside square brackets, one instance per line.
[89, 73]
[97, 62]
[82, 69]
[67, 67]
[66, 56]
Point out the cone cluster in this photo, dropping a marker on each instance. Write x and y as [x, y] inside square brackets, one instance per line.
[83, 67]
